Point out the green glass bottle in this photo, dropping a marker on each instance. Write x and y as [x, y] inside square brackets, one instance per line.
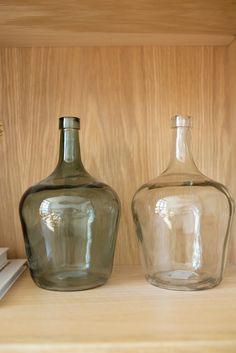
[70, 222]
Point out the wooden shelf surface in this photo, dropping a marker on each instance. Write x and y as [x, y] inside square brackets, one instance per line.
[125, 315]
[30, 23]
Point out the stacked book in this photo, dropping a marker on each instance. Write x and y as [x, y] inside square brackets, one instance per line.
[10, 270]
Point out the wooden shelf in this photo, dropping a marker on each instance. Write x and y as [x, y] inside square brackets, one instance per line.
[28, 23]
[126, 315]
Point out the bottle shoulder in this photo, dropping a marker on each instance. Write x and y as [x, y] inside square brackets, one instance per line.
[75, 185]
[182, 180]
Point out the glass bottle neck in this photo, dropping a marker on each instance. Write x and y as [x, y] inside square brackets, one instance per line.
[181, 160]
[69, 162]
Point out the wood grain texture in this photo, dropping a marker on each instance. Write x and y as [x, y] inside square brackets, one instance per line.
[127, 315]
[23, 39]
[230, 125]
[51, 23]
[125, 97]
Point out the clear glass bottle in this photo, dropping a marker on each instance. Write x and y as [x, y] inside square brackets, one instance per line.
[183, 221]
[70, 222]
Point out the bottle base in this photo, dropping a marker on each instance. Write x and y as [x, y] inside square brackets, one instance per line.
[182, 280]
[69, 281]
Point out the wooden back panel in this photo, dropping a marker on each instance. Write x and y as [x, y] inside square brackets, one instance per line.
[125, 97]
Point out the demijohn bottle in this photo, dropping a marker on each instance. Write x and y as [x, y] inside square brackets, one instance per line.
[70, 222]
[183, 221]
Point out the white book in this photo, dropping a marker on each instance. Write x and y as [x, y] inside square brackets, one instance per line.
[3, 257]
[9, 275]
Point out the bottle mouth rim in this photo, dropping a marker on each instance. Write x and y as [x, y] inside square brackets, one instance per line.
[69, 122]
[181, 121]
